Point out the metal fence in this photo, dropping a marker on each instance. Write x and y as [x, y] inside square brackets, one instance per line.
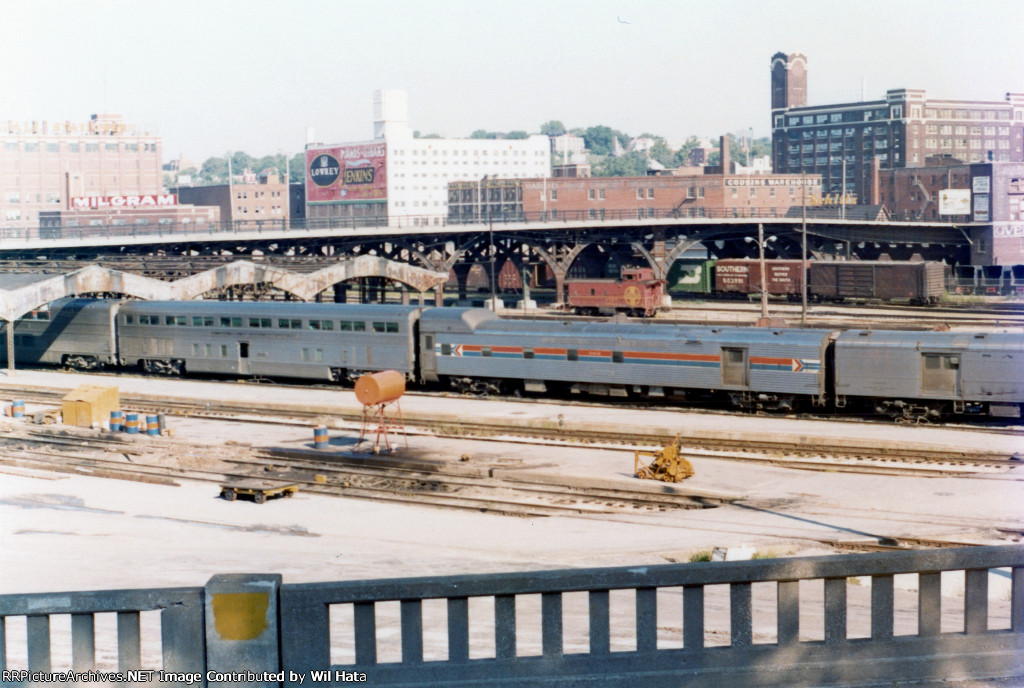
[675, 624]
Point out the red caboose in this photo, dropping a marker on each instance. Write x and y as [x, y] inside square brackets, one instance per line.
[636, 293]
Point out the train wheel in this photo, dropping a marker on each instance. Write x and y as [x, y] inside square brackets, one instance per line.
[259, 497]
[228, 494]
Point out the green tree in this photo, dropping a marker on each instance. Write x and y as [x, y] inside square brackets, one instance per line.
[552, 128]
[518, 134]
[600, 139]
[681, 158]
[628, 165]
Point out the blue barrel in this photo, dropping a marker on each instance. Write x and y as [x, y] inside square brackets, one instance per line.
[152, 426]
[131, 423]
[116, 421]
[19, 409]
[320, 438]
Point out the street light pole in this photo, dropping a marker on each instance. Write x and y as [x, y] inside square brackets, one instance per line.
[490, 234]
[764, 274]
[803, 249]
[842, 211]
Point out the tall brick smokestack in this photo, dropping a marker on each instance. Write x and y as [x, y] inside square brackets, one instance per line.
[723, 153]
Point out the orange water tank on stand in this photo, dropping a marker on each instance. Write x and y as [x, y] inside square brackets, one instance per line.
[377, 392]
[380, 388]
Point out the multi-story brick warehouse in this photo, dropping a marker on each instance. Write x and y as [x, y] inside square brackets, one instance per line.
[45, 164]
[714, 195]
[900, 131]
[989, 194]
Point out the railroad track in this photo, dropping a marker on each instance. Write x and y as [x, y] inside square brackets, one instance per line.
[469, 488]
[867, 458]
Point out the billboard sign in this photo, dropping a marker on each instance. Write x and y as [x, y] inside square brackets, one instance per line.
[78, 202]
[955, 202]
[981, 185]
[347, 174]
[981, 207]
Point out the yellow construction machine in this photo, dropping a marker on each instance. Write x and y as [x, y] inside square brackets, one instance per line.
[668, 464]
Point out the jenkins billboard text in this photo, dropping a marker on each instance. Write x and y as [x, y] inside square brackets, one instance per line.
[343, 174]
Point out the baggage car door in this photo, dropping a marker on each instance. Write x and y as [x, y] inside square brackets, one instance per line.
[243, 358]
[940, 375]
[735, 367]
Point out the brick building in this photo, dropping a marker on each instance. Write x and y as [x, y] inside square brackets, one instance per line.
[990, 195]
[257, 200]
[903, 130]
[709, 195]
[44, 164]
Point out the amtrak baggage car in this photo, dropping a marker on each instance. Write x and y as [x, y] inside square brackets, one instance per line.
[753, 367]
[922, 374]
[314, 341]
[77, 333]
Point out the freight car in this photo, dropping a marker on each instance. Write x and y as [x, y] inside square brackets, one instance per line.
[908, 375]
[919, 282]
[635, 293]
[785, 277]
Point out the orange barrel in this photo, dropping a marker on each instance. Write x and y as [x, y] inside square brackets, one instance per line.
[152, 426]
[380, 388]
[19, 408]
[320, 438]
[131, 423]
[116, 421]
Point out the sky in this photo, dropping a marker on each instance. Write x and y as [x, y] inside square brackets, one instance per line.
[212, 76]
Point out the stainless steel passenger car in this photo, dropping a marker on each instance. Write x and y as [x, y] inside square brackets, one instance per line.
[77, 333]
[929, 374]
[752, 367]
[300, 340]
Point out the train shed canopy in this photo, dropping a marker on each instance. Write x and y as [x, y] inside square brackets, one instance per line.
[21, 293]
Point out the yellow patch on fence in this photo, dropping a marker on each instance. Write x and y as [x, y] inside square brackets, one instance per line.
[240, 615]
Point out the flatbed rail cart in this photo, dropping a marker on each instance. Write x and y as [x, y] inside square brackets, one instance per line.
[259, 490]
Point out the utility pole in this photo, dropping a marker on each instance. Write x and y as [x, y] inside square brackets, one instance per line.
[764, 273]
[803, 249]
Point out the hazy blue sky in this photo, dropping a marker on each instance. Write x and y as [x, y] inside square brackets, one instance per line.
[212, 75]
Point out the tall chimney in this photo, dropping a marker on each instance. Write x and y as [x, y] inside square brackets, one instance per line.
[723, 153]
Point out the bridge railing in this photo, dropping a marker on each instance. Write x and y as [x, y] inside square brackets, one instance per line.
[769, 622]
[179, 644]
[696, 657]
[65, 232]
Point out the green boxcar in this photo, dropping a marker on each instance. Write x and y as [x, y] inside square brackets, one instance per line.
[692, 276]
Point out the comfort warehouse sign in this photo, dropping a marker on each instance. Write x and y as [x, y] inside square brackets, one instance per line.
[148, 200]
